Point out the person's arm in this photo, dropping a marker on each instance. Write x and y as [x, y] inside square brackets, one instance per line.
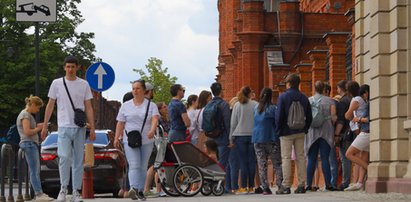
[47, 114]
[119, 133]
[186, 120]
[233, 122]
[308, 115]
[30, 131]
[349, 115]
[279, 114]
[90, 119]
[154, 123]
[333, 114]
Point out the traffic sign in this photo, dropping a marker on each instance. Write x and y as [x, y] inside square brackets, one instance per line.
[100, 76]
[36, 10]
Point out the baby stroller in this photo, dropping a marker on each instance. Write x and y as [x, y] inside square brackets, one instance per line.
[184, 170]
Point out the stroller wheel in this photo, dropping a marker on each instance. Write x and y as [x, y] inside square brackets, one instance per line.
[187, 180]
[207, 188]
[169, 190]
[218, 190]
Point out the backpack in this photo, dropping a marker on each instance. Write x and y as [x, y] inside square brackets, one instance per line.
[210, 123]
[296, 116]
[13, 136]
[317, 112]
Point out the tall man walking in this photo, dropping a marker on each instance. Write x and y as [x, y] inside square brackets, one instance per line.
[71, 138]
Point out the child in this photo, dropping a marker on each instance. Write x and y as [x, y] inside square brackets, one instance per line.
[211, 148]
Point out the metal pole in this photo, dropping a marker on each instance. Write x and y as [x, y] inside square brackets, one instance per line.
[101, 111]
[37, 62]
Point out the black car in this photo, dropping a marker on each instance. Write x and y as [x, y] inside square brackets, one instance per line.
[108, 170]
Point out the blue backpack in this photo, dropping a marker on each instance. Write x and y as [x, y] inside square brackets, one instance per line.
[13, 136]
[211, 124]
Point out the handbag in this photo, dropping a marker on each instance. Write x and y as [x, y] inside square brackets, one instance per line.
[79, 114]
[134, 137]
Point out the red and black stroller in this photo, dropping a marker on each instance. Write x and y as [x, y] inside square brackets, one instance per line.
[185, 170]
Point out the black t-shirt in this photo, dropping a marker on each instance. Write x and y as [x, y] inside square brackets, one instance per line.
[342, 108]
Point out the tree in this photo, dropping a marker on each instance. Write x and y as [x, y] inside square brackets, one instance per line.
[158, 76]
[17, 54]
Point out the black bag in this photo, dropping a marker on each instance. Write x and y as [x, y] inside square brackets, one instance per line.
[79, 117]
[134, 137]
[79, 114]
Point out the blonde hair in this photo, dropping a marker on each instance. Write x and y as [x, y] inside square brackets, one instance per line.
[34, 100]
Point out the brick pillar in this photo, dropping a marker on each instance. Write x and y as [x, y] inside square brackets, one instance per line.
[336, 42]
[278, 73]
[318, 60]
[253, 38]
[305, 75]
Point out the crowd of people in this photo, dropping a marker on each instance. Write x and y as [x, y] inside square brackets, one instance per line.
[250, 132]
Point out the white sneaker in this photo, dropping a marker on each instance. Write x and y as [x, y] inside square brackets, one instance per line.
[354, 187]
[162, 194]
[132, 193]
[76, 196]
[62, 195]
[43, 197]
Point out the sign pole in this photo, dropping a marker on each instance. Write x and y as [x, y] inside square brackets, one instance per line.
[36, 63]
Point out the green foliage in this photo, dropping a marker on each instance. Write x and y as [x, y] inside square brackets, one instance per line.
[17, 54]
[158, 76]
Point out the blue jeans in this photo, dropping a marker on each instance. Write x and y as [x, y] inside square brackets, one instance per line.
[137, 159]
[176, 136]
[322, 146]
[70, 144]
[346, 168]
[224, 154]
[247, 160]
[333, 167]
[234, 162]
[31, 152]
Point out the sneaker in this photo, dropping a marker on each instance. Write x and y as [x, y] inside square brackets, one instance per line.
[44, 197]
[354, 187]
[341, 187]
[62, 195]
[241, 191]
[132, 194]
[140, 196]
[283, 190]
[330, 188]
[150, 194]
[300, 190]
[258, 190]
[162, 194]
[76, 197]
[267, 191]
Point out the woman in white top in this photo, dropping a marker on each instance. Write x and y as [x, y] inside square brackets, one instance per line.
[192, 113]
[131, 117]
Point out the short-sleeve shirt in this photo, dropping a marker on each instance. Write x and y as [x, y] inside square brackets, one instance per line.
[342, 107]
[133, 117]
[23, 137]
[175, 109]
[79, 92]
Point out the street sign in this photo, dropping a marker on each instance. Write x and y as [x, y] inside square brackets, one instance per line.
[36, 10]
[100, 76]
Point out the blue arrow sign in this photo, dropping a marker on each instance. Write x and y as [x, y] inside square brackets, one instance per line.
[100, 76]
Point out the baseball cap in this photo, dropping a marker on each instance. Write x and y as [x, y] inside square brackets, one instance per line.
[149, 86]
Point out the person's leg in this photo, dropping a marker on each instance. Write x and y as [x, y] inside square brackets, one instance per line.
[361, 175]
[286, 147]
[31, 154]
[79, 138]
[223, 155]
[312, 162]
[234, 168]
[276, 161]
[346, 168]
[261, 155]
[242, 147]
[299, 153]
[64, 152]
[352, 154]
[149, 179]
[333, 167]
[143, 155]
[325, 154]
[133, 161]
[251, 163]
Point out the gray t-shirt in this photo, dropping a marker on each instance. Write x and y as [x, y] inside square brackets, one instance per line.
[19, 122]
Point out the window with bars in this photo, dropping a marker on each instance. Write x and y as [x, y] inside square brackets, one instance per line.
[327, 67]
[348, 57]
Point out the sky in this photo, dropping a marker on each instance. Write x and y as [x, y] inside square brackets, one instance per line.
[182, 33]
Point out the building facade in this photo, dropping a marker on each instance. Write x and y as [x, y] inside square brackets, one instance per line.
[261, 41]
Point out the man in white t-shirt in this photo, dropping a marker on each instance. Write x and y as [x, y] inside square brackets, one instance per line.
[71, 138]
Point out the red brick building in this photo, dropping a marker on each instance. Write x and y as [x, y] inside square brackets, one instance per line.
[261, 41]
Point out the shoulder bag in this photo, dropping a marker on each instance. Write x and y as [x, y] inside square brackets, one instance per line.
[134, 137]
[79, 114]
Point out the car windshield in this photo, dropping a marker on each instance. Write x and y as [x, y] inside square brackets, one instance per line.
[101, 138]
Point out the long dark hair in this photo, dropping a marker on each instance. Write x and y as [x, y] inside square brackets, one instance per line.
[244, 94]
[266, 97]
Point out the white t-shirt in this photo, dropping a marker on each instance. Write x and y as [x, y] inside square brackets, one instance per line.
[133, 117]
[79, 92]
[194, 126]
